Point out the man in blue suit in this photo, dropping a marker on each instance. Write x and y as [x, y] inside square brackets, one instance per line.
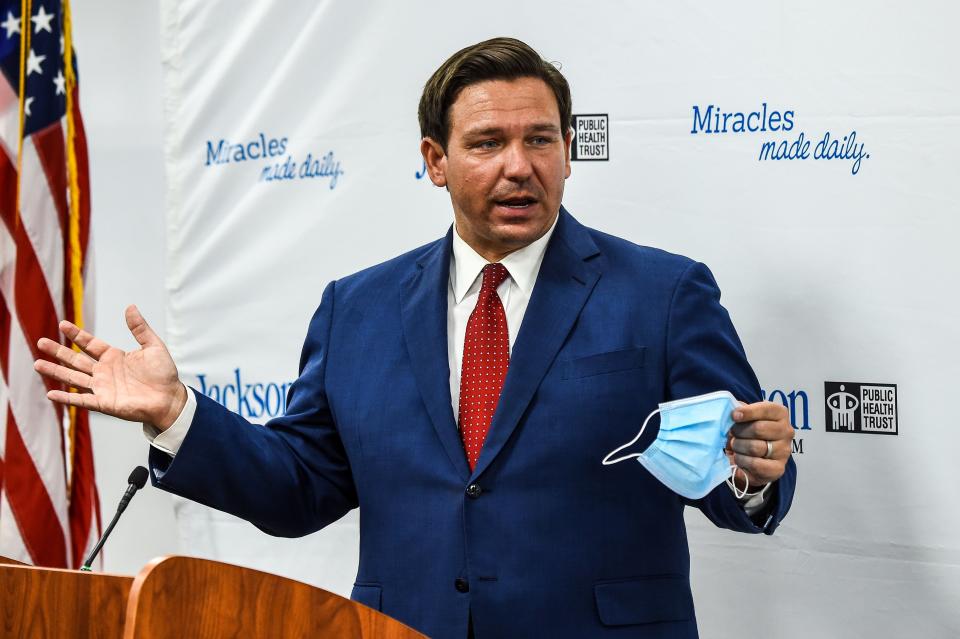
[462, 395]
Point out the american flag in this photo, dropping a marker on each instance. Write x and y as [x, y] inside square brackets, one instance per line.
[49, 508]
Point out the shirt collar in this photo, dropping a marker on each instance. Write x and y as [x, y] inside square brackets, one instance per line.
[523, 264]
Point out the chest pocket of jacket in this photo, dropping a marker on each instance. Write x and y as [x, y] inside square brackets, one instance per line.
[603, 363]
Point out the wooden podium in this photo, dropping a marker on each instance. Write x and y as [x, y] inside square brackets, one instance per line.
[178, 597]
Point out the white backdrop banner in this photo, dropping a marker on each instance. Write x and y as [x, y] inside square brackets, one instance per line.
[806, 151]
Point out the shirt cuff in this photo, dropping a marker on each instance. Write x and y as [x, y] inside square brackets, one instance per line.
[754, 502]
[169, 441]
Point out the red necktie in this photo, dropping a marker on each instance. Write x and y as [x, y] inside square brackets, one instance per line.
[486, 355]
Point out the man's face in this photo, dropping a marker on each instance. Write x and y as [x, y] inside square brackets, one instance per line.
[505, 163]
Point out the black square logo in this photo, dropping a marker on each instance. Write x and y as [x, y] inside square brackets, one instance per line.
[857, 407]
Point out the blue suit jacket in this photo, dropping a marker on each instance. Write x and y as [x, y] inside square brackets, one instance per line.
[552, 543]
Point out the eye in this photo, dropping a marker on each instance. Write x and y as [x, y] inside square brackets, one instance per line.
[541, 140]
[486, 144]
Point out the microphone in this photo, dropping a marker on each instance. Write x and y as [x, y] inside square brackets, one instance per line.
[136, 481]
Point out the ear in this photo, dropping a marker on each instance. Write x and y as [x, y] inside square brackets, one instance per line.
[435, 159]
[567, 140]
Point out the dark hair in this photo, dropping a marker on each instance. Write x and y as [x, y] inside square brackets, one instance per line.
[495, 59]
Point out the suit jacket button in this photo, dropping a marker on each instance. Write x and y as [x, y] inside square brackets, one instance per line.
[474, 491]
[461, 585]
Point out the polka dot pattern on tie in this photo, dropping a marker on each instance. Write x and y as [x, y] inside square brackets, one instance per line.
[486, 356]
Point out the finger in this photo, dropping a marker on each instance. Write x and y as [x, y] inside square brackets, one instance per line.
[139, 327]
[758, 448]
[83, 400]
[761, 470]
[63, 374]
[92, 346]
[770, 411]
[69, 357]
[763, 430]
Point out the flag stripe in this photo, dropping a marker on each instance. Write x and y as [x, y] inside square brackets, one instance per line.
[11, 540]
[4, 401]
[45, 227]
[48, 146]
[4, 340]
[30, 497]
[35, 312]
[43, 434]
[35, 309]
[31, 505]
[9, 118]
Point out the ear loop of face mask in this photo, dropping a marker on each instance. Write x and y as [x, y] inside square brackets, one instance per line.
[731, 480]
[608, 462]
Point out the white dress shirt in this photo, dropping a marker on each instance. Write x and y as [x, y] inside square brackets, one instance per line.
[466, 267]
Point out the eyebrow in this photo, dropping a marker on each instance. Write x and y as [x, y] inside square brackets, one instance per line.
[536, 128]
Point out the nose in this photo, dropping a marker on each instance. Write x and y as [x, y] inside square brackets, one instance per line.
[517, 166]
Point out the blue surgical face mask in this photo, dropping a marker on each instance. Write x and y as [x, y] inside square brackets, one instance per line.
[687, 455]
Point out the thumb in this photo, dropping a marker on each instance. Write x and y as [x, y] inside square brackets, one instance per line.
[139, 327]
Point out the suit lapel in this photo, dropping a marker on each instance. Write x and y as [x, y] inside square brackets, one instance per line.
[424, 319]
[563, 285]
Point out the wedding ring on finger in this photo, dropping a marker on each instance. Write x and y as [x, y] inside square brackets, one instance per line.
[769, 450]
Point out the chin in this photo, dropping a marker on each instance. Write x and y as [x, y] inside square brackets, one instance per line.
[519, 235]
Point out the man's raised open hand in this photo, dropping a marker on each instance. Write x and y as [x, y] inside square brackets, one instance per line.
[140, 385]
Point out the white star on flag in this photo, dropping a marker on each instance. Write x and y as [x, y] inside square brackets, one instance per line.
[33, 62]
[61, 83]
[26, 106]
[11, 24]
[41, 20]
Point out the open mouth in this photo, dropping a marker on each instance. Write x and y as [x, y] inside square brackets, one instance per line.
[517, 202]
